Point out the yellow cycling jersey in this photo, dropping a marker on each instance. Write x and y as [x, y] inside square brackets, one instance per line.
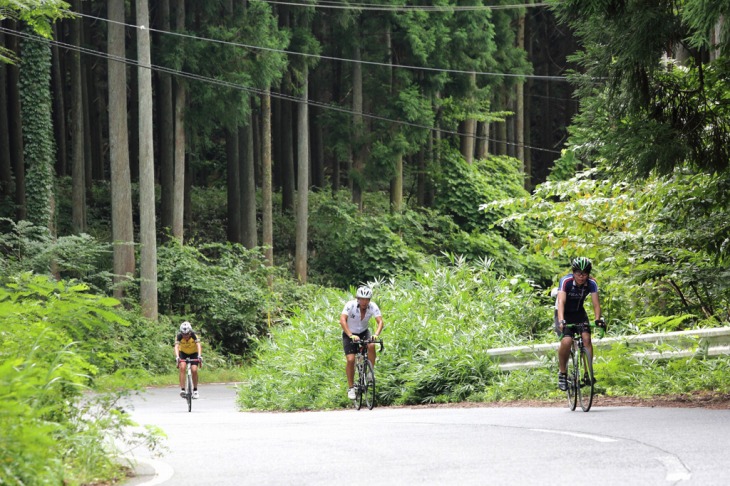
[187, 345]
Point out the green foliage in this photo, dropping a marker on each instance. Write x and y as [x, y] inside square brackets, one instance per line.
[463, 187]
[350, 247]
[640, 111]
[222, 289]
[38, 14]
[212, 108]
[55, 337]
[25, 247]
[623, 372]
[653, 242]
[437, 325]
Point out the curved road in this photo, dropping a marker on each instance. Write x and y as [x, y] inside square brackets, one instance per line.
[217, 445]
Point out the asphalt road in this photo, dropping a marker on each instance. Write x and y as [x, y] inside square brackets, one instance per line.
[217, 445]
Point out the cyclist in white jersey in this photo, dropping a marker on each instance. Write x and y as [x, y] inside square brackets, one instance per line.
[354, 322]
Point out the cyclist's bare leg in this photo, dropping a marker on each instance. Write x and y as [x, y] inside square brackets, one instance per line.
[182, 374]
[588, 344]
[194, 369]
[350, 369]
[371, 354]
[564, 353]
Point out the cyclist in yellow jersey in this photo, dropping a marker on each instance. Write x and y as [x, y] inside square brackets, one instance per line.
[187, 345]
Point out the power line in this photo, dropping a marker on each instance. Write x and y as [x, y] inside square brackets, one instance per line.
[330, 58]
[404, 8]
[258, 91]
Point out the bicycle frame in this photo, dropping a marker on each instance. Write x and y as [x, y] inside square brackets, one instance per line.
[580, 373]
[189, 380]
[365, 380]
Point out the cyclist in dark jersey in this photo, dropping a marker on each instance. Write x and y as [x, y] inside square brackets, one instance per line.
[572, 292]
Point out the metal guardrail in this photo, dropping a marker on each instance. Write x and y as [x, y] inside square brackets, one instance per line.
[670, 345]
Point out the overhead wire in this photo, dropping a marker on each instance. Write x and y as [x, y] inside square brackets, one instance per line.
[405, 8]
[258, 91]
[331, 58]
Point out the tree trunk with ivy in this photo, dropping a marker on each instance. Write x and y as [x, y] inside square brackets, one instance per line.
[36, 108]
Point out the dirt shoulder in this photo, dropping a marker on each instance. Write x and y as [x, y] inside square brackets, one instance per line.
[709, 400]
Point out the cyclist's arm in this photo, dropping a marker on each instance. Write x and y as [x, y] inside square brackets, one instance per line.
[560, 305]
[379, 320]
[596, 305]
[177, 350]
[343, 324]
[200, 349]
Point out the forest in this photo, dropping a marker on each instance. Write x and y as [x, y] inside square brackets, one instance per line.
[245, 165]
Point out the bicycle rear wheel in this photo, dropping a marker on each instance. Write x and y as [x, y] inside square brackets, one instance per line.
[586, 383]
[369, 384]
[573, 377]
[189, 391]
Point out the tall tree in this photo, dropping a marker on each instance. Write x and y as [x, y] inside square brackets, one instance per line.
[248, 184]
[166, 132]
[16, 128]
[520, 106]
[359, 148]
[233, 186]
[300, 259]
[6, 174]
[78, 132]
[121, 183]
[179, 173]
[58, 80]
[147, 236]
[266, 182]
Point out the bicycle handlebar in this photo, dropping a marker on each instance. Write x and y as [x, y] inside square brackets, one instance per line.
[197, 361]
[362, 342]
[589, 324]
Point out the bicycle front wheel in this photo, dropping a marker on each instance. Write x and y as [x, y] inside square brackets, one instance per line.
[359, 385]
[369, 385]
[573, 377]
[189, 391]
[586, 383]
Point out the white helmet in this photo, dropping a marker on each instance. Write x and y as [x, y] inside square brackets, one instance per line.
[364, 292]
[186, 327]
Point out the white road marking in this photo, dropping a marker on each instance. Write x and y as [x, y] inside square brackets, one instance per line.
[676, 471]
[597, 438]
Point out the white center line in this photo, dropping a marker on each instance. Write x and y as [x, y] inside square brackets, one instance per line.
[597, 438]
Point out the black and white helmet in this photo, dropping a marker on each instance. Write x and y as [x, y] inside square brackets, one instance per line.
[364, 292]
[186, 327]
[582, 264]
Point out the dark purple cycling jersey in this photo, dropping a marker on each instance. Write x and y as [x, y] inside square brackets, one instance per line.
[574, 313]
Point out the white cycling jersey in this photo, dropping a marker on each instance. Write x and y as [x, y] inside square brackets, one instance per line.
[355, 323]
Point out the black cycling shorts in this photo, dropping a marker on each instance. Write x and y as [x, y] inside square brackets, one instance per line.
[570, 331]
[191, 356]
[348, 345]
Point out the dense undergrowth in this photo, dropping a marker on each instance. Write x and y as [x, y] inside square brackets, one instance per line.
[438, 326]
[451, 283]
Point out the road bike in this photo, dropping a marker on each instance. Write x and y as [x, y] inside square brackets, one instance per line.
[364, 374]
[189, 379]
[581, 381]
